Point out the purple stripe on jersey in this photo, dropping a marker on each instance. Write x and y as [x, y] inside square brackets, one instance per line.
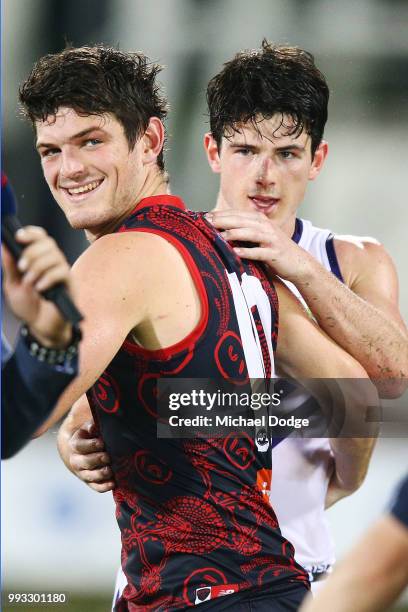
[333, 261]
[297, 234]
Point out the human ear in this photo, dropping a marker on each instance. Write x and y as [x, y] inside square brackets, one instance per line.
[211, 149]
[318, 160]
[153, 140]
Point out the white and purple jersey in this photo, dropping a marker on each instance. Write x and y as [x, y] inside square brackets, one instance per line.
[302, 467]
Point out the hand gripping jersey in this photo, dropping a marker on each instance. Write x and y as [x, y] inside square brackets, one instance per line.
[302, 467]
[194, 514]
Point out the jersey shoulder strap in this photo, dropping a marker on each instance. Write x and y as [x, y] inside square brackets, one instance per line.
[319, 243]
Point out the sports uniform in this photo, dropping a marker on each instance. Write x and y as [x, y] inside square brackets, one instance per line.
[399, 504]
[302, 467]
[194, 514]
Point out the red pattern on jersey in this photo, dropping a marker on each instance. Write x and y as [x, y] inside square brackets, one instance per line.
[189, 511]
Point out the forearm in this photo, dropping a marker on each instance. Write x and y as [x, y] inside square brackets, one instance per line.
[351, 457]
[377, 342]
[361, 315]
[367, 581]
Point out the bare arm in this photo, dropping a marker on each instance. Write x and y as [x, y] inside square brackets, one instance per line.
[362, 315]
[134, 302]
[372, 575]
[351, 460]
[304, 351]
[110, 315]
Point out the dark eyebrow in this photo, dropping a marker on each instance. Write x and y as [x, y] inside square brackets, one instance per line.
[291, 147]
[76, 136]
[244, 145]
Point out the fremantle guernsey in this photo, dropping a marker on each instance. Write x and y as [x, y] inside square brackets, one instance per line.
[194, 515]
[399, 503]
[302, 467]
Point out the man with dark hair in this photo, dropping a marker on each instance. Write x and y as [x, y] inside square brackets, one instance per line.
[261, 83]
[97, 80]
[194, 518]
[268, 109]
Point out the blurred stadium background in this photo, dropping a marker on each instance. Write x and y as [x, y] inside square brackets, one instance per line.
[58, 536]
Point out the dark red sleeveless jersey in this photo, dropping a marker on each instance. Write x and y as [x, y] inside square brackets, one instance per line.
[194, 514]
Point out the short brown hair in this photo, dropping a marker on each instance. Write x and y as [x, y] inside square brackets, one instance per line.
[261, 82]
[94, 81]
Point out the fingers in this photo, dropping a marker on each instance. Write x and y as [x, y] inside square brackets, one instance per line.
[218, 215]
[90, 426]
[102, 487]
[228, 219]
[246, 234]
[99, 480]
[30, 233]
[85, 442]
[254, 253]
[100, 475]
[94, 470]
[9, 265]
[88, 459]
[42, 262]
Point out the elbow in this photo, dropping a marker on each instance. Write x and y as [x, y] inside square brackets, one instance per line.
[390, 376]
[391, 388]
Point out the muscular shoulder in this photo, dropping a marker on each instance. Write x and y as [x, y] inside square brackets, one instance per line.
[123, 256]
[121, 271]
[134, 277]
[360, 257]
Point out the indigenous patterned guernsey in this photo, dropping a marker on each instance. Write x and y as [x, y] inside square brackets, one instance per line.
[195, 518]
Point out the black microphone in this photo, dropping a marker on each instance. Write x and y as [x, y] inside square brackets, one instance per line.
[9, 225]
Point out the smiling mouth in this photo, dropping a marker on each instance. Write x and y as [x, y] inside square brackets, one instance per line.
[81, 189]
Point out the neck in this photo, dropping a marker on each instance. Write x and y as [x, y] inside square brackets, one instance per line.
[288, 227]
[158, 184]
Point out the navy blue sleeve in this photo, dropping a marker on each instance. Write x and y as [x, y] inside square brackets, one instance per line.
[399, 504]
[30, 390]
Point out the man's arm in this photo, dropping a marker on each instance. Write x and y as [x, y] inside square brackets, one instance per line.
[305, 352]
[362, 315]
[25, 405]
[351, 460]
[112, 294]
[121, 279]
[375, 571]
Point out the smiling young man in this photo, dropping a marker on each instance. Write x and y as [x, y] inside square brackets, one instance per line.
[268, 109]
[194, 521]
